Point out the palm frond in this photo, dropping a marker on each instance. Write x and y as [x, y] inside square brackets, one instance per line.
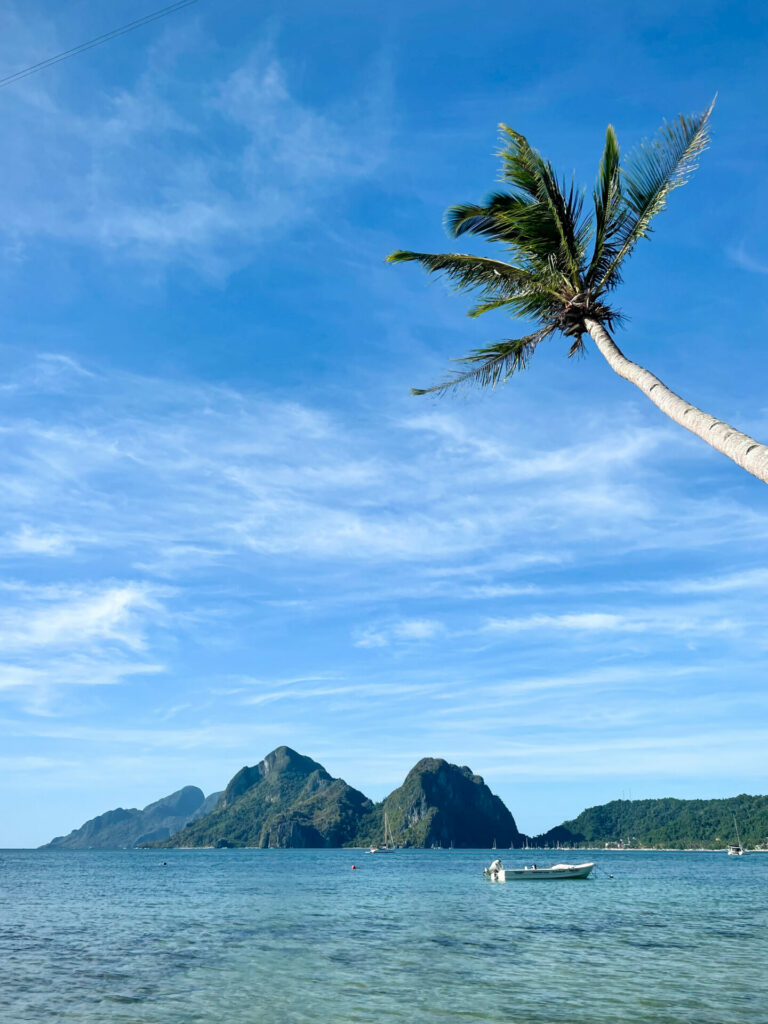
[654, 170]
[525, 226]
[496, 218]
[488, 305]
[469, 271]
[610, 213]
[518, 163]
[561, 206]
[497, 363]
[533, 302]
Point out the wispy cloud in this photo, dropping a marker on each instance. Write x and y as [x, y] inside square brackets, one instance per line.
[179, 482]
[405, 631]
[584, 459]
[36, 681]
[745, 260]
[273, 478]
[31, 542]
[112, 614]
[734, 582]
[689, 621]
[198, 175]
[54, 639]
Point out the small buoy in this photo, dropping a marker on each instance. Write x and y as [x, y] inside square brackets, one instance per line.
[354, 867]
[610, 876]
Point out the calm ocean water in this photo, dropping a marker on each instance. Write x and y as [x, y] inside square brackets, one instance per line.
[240, 936]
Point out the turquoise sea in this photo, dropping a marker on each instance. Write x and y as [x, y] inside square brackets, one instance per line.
[241, 936]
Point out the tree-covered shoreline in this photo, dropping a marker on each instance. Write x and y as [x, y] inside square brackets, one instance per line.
[666, 823]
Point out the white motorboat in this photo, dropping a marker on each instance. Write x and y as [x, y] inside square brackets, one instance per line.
[498, 873]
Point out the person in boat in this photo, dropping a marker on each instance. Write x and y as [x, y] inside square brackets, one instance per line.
[493, 870]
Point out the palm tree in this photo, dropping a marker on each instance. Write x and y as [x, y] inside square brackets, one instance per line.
[564, 264]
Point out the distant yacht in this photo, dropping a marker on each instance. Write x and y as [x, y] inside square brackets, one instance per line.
[736, 850]
[389, 841]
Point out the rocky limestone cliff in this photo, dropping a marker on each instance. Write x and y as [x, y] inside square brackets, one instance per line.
[441, 803]
[286, 800]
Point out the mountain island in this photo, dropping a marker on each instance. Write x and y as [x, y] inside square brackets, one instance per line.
[289, 800]
[123, 827]
[285, 800]
[441, 804]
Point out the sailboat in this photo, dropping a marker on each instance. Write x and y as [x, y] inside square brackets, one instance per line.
[736, 850]
[389, 841]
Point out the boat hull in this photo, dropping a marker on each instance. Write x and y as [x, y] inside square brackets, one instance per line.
[532, 874]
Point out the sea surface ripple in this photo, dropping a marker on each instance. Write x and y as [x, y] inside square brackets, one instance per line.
[290, 936]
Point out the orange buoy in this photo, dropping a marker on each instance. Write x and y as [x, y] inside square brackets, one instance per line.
[354, 867]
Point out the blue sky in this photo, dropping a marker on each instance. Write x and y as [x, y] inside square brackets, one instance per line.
[226, 525]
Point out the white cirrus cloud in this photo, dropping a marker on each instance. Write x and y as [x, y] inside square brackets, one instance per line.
[403, 631]
[738, 254]
[55, 638]
[27, 541]
[111, 614]
[182, 168]
[689, 621]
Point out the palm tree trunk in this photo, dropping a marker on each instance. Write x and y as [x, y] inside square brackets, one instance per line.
[740, 448]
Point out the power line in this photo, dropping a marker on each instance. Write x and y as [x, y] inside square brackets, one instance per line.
[95, 42]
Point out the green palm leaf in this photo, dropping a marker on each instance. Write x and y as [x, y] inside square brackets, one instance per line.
[496, 219]
[527, 292]
[654, 170]
[468, 271]
[556, 208]
[610, 213]
[497, 363]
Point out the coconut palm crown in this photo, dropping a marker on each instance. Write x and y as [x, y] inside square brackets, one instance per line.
[566, 261]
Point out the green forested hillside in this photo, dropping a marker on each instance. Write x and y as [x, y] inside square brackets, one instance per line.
[285, 800]
[440, 804]
[289, 800]
[667, 822]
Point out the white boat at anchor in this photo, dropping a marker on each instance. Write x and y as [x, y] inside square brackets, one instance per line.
[736, 849]
[498, 873]
[389, 839]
